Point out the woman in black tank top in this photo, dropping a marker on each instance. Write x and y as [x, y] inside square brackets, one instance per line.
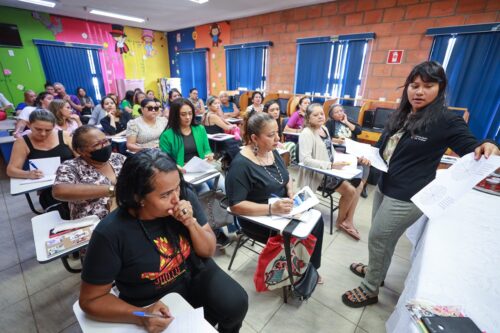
[42, 142]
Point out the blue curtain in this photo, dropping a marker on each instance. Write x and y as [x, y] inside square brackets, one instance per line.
[473, 73]
[193, 71]
[311, 73]
[354, 60]
[439, 46]
[74, 67]
[244, 68]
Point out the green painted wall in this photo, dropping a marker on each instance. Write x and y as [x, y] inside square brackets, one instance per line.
[25, 65]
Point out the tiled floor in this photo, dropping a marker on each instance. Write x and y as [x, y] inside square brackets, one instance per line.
[39, 298]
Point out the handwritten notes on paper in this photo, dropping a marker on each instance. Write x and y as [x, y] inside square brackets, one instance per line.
[451, 184]
[371, 153]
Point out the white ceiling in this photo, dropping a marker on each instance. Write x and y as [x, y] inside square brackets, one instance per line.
[165, 15]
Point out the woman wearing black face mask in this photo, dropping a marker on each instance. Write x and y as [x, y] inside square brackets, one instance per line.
[87, 182]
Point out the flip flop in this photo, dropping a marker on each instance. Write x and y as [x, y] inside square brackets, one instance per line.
[354, 268]
[351, 232]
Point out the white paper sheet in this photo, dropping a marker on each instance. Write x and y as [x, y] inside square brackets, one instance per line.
[47, 165]
[189, 321]
[303, 200]
[359, 149]
[196, 164]
[451, 184]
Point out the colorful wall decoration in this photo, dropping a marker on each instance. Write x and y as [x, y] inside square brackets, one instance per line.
[21, 68]
[129, 53]
[214, 36]
[179, 40]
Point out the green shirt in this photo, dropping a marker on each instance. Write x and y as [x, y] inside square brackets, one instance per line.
[173, 144]
[135, 111]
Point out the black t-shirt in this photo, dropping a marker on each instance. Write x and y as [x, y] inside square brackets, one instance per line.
[190, 150]
[120, 251]
[249, 181]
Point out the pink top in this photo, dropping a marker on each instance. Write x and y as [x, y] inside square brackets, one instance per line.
[72, 126]
[296, 121]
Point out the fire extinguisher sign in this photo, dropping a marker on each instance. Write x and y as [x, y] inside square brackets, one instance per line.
[394, 56]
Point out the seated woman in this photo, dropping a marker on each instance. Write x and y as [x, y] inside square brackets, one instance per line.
[66, 120]
[115, 121]
[214, 123]
[145, 131]
[339, 126]
[157, 242]
[197, 102]
[272, 108]
[229, 109]
[43, 141]
[138, 98]
[126, 105]
[173, 94]
[42, 101]
[87, 103]
[256, 174]
[87, 182]
[99, 113]
[150, 94]
[316, 150]
[296, 120]
[184, 139]
[256, 106]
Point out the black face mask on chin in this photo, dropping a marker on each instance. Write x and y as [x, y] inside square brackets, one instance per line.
[101, 155]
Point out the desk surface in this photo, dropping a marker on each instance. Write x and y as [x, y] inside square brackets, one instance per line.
[41, 225]
[7, 139]
[174, 301]
[344, 174]
[220, 136]
[7, 124]
[456, 262]
[292, 133]
[309, 218]
[17, 187]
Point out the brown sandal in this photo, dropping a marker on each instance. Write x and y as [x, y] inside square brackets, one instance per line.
[350, 231]
[361, 273]
[360, 298]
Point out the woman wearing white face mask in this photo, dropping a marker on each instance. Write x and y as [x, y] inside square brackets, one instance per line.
[87, 182]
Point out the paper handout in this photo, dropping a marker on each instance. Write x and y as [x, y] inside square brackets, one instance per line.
[197, 169]
[451, 184]
[303, 200]
[359, 149]
[47, 165]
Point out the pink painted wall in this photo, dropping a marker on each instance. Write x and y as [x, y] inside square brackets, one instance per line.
[88, 32]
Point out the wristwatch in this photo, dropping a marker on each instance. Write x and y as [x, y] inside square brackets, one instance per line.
[111, 190]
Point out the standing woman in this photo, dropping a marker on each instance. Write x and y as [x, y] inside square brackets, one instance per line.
[157, 242]
[258, 173]
[256, 106]
[144, 131]
[43, 141]
[127, 103]
[115, 121]
[316, 150]
[412, 144]
[229, 109]
[197, 102]
[86, 102]
[66, 120]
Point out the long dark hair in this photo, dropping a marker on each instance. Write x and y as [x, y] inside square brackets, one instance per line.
[428, 71]
[136, 178]
[129, 96]
[174, 114]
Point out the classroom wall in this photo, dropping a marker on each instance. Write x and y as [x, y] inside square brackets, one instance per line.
[398, 24]
[24, 64]
[146, 59]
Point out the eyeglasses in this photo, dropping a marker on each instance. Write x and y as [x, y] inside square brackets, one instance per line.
[101, 143]
[151, 108]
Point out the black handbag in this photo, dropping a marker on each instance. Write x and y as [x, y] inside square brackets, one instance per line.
[304, 287]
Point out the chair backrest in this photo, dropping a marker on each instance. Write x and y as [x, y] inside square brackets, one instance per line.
[381, 116]
[352, 112]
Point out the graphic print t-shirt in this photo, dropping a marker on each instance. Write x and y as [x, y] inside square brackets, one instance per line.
[119, 251]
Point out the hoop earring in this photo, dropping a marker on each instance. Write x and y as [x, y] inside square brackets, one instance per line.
[142, 203]
[255, 149]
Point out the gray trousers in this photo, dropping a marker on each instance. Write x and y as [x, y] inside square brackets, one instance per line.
[390, 219]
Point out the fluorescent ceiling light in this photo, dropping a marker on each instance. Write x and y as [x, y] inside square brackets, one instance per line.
[199, 1]
[118, 16]
[41, 3]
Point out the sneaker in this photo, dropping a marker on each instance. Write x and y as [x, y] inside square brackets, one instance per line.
[222, 241]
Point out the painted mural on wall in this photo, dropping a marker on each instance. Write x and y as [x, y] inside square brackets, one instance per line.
[120, 37]
[215, 33]
[148, 39]
[52, 23]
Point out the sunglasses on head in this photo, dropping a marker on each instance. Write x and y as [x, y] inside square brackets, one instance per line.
[151, 108]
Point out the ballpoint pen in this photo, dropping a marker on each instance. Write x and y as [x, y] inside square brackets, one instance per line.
[149, 315]
[33, 165]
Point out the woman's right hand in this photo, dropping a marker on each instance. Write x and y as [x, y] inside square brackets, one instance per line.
[338, 141]
[35, 174]
[155, 325]
[282, 206]
[339, 165]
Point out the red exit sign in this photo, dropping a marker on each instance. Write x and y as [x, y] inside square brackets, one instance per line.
[394, 56]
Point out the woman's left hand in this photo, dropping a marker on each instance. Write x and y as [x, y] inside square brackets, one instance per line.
[363, 161]
[487, 149]
[183, 212]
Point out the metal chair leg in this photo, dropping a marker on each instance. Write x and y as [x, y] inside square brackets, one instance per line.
[68, 267]
[331, 214]
[285, 294]
[234, 252]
